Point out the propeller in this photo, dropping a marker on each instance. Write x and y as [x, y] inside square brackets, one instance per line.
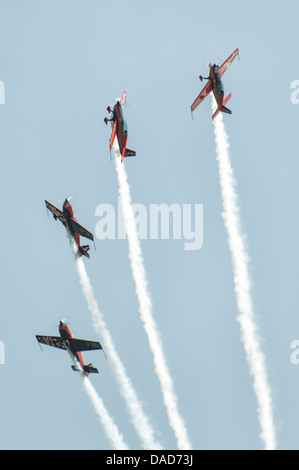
[125, 101]
[68, 199]
[219, 62]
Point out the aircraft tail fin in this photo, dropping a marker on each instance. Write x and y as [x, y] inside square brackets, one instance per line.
[83, 250]
[216, 113]
[128, 153]
[223, 108]
[90, 369]
[225, 101]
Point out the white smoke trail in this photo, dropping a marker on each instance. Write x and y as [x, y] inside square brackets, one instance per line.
[240, 262]
[137, 415]
[145, 308]
[110, 428]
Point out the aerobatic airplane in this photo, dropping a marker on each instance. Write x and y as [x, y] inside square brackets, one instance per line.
[216, 86]
[119, 128]
[67, 218]
[66, 341]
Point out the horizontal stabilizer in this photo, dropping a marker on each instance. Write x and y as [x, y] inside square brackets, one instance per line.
[90, 369]
[216, 113]
[225, 101]
[76, 368]
[83, 250]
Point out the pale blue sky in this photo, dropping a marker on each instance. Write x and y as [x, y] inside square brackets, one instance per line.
[62, 64]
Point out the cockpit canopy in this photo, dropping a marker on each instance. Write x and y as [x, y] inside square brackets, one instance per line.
[124, 123]
[219, 84]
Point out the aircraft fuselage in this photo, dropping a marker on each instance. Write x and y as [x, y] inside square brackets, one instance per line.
[68, 214]
[217, 85]
[66, 334]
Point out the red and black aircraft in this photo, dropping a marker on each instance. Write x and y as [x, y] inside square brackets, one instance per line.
[67, 218]
[119, 128]
[67, 342]
[216, 86]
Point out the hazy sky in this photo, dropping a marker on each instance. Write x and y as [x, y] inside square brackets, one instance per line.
[61, 65]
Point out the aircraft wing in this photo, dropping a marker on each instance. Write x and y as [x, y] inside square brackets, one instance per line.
[113, 134]
[84, 345]
[228, 61]
[202, 95]
[77, 228]
[58, 214]
[123, 98]
[54, 341]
